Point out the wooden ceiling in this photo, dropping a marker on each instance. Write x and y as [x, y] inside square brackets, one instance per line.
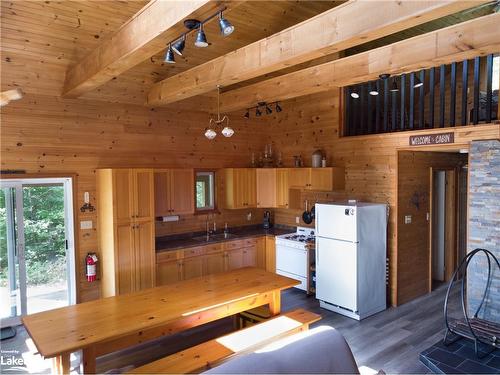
[41, 40]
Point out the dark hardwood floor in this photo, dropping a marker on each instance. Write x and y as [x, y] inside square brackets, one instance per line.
[389, 341]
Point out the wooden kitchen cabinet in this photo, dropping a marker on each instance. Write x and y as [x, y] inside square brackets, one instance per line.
[174, 192]
[249, 257]
[270, 254]
[126, 223]
[168, 272]
[214, 263]
[240, 188]
[266, 187]
[192, 267]
[317, 179]
[282, 188]
[234, 259]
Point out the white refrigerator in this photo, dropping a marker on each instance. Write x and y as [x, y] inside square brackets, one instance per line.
[351, 241]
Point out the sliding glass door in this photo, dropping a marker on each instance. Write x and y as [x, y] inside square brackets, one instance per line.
[37, 270]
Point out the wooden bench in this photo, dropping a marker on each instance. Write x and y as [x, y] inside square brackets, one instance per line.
[204, 356]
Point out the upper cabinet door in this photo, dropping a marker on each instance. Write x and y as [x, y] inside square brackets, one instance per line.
[239, 186]
[266, 187]
[181, 191]
[299, 178]
[251, 187]
[321, 179]
[282, 188]
[144, 255]
[162, 193]
[123, 195]
[144, 193]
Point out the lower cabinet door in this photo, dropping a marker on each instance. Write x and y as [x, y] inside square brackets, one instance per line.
[192, 267]
[249, 257]
[214, 263]
[234, 259]
[145, 255]
[125, 262]
[168, 273]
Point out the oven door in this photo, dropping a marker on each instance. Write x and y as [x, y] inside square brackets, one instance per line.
[291, 260]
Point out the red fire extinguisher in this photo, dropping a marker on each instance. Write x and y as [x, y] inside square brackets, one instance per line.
[91, 262]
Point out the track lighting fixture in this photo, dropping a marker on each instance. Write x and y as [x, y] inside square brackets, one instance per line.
[201, 38]
[263, 105]
[225, 26]
[178, 46]
[169, 56]
[394, 87]
[418, 82]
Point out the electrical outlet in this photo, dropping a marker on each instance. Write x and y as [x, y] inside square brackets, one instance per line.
[249, 216]
[297, 220]
[86, 224]
[407, 219]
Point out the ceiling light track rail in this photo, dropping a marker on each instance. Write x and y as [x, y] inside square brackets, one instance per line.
[263, 106]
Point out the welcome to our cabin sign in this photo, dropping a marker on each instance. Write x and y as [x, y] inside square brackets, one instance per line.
[432, 139]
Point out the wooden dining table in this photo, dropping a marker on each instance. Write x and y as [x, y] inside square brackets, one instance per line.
[114, 323]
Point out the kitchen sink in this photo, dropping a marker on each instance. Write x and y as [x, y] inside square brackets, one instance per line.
[214, 237]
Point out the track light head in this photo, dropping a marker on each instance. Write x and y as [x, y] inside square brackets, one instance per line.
[268, 110]
[394, 87]
[178, 46]
[384, 76]
[247, 114]
[278, 107]
[225, 26]
[201, 38]
[169, 56]
[258, 112]
[418, 82]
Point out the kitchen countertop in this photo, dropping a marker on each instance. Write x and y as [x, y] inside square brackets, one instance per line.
[181, 241]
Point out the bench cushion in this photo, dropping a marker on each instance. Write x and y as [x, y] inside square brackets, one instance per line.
[321, 350]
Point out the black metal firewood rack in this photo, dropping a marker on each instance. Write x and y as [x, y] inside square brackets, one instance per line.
[481, 331]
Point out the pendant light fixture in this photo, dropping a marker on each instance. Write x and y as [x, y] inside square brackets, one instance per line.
[223, 122]
[169, 56]
[178, 46]
[225, 26]
[201, 38]
[418, 82]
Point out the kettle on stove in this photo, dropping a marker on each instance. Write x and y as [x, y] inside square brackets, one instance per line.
[267, 220]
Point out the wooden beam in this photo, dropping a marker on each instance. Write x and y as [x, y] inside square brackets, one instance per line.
[463, 41]
[345, 26]
[143, 36]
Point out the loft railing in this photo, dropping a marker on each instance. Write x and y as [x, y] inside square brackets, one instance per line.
[460, 93]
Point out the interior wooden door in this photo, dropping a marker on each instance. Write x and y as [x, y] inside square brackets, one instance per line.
[162, 192]
[234, 259]
[266, 187]
[144, 194]
[321, 179]
[299, 177]
[145, 255]
[123, 195]
[282, 188]
[192, 267]
[125, 259]
[182, 191]
[251, 187]
[214, 263]
[167, 272]
[249, 257]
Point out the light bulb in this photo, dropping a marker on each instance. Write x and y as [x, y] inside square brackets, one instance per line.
[210, 133]
[227, 132]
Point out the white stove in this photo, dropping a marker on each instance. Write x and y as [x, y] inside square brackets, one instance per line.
[293, 255]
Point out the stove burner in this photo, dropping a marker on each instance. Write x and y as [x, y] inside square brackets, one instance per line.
[299, 238]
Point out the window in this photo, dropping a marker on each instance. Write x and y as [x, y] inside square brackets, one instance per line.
[205, 190]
